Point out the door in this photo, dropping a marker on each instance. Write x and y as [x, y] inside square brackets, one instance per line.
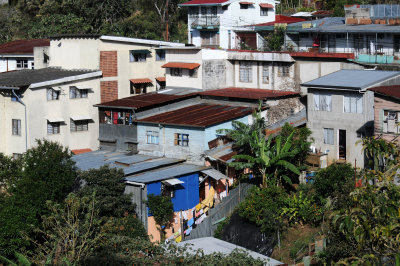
[342, 144]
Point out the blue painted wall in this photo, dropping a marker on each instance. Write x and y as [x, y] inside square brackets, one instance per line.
[186, 194]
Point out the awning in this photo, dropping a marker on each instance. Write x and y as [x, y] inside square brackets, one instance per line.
[264, 5]
[55, 120]
[246, 3]
[140, 81]
[173, 182]
[140, 52]
[82, 117]
[217, 175]
[181, 65]
[161, 79]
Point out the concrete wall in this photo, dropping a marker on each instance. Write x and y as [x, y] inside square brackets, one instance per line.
[337, 119]
[383, 103]
[122, 134]
[41, 56]
[39, 110]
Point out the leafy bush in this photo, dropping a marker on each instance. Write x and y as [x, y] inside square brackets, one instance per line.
[301, 209]
[162, 209]
[333, 180]
[262, 207]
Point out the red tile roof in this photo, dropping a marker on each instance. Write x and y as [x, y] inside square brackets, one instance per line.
[323, 55]
[392, 91]
[140, 81]
[265, 5]
[144, 100]
[204, 2]
[181, 65]
[200, 115]
[161, 79]
[280, 19]
[22, 46]
[244, 93]
[246, 3]
[76, 152]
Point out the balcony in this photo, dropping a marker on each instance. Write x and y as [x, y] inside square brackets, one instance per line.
[205, 22]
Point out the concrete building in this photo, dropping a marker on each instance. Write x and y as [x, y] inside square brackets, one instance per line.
[17, 55]
[387, 112]
[130, 66]
[340, 111]
[48, 103]
[219, 23]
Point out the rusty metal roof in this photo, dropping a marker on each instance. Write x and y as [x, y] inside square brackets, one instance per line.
[323, 55]
[200, 115]
[204, 2]
[181, 65]
[245, 93]
[392, 91]
[22, 46]
[151, 99]
[140, 81]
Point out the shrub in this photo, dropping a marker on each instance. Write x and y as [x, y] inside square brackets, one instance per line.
[162, 209]
[301, 209]
[334, 179]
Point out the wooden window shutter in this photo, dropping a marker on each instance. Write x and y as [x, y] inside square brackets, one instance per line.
[176, 139]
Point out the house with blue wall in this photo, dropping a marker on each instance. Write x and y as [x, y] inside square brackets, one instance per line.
[184, 133]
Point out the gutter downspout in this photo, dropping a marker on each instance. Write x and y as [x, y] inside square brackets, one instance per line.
[26, 121]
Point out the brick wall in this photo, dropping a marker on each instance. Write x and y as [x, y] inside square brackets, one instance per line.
[109, 63]
[109, 91]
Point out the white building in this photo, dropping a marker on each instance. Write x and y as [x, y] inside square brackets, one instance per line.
[220, 23]
[19, 54]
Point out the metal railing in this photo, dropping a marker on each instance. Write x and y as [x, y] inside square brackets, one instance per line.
[206, 21]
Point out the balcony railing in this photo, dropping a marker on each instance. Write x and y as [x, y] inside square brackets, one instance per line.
[205, 22]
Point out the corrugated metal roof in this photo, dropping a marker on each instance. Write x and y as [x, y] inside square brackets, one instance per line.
[295, 120]
[204, 2]
[246, 93]
[140, 81]
[223, 153]
[217, 175]
[280, 19]
[323, 55]
[392, 91]
[22, 46]
[181, 65]
[165, 173]
[150, 164]
[200, 115]
[351, 79]
[145, 100]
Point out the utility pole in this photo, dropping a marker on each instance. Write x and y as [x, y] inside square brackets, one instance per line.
[167, 30]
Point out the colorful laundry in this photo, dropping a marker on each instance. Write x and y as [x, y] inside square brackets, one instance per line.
[190, 222]
[187, 232]
[178, 239]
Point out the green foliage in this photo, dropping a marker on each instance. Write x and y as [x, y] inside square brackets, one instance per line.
[276, 40]
[10, 171]
[299, 246]
[262, 206]
[162, 209]
[220, 228]
[48, 173]
[301, 140]
[301, 209]
[108, 186]
[381, 154]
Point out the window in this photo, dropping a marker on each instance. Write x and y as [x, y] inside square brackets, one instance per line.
[167, 191]
[209, 38]
[15, 99]
[176, 72]
[193, 11]
[390, 121]
[52, 94]
[53, 128]
[22, 63]
[265, 74]
[225, 7]
[203, 11]
[160, 55]
[353, 104]
[283, 71]
[17, 156]
[152, 137]
[138, 88]
[33, 65]
[138, 55]
[245, 72]
[193, 73]
[75, 93]
[80, 125]
[244, 6]
[181, 139]
[263, 11]
[16, 127]
[322, 102]
[328, 136]
[214, 10]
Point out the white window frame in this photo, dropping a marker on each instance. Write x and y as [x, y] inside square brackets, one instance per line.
[322, 101]
[245, 72]
[22, 63]
[265, 74]
[353, 104]
[152, 137]
[16, 127]
[329, 136]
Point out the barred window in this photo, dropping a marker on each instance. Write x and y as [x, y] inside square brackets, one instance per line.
[245, 72]
[283, 71]
[265, 74]
[53, 128]
[75, 93]
[80, 125]
[52, 94]
[181, 139]
[16, 127]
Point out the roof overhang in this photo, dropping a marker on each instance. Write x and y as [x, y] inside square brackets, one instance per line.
[17, 55]
[205, 4]
[66, 80]
[181, 65]
[82, 117]
[55, 120]
[115, 107]
[141, 81]
[139, 41]
[214, 174]
[172, 182]
[8, 88]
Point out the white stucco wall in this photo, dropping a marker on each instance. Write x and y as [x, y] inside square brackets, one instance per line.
[9, 63]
